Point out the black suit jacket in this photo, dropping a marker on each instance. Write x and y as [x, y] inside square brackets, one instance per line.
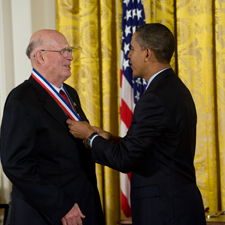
[49, 168]
[159, 150]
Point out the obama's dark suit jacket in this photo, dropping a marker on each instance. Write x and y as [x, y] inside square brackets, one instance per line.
[159, 150]
[50, 169]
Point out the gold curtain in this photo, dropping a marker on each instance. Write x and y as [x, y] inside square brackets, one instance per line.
[199, 61]
[95, 26]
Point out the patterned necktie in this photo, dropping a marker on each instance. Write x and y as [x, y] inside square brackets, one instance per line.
[63, 94]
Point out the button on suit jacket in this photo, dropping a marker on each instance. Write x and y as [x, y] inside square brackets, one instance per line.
[159, 150]
[50, 169]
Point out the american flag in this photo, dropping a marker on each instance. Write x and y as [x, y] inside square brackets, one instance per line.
[130, 88]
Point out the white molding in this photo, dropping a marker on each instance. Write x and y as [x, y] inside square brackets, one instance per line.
[6, 52]
[28, 16]
[22, 31]
[2, 61]
[6, 77]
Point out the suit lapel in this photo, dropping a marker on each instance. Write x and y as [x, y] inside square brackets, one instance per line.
[52, 107]
[49, 104]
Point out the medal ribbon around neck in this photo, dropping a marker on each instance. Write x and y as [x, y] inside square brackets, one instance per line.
[55, 95]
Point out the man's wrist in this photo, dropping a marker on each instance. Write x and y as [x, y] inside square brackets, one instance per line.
[88, 141]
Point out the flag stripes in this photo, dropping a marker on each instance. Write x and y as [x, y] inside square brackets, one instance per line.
[130, 88]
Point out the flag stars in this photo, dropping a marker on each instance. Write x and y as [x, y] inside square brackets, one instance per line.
[128, 15]
[126, 2]
[133, 16]
[126, 48]
[134, 13]
[127, 30]
[139, 14]
[122, 35]
[137, 96]
[139, 81]
[126, 64]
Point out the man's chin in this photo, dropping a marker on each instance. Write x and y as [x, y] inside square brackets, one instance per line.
[68, 75]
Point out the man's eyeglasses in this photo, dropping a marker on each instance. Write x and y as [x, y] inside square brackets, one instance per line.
[64, 52]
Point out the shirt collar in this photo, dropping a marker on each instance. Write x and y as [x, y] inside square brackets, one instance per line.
[58, 89]
[152, 77]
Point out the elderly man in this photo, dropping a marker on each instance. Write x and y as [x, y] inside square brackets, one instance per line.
[52, 174]
[159, 147]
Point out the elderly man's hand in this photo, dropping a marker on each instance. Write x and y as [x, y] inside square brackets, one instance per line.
[73, 217]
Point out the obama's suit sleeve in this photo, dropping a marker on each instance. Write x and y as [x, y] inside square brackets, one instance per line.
[148, 122]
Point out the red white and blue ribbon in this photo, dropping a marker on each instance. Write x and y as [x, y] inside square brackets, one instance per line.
[55, 95]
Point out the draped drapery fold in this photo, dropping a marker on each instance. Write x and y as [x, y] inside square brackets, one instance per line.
[219, 80]
[199, 61]
[94, 25]
[195, 68]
